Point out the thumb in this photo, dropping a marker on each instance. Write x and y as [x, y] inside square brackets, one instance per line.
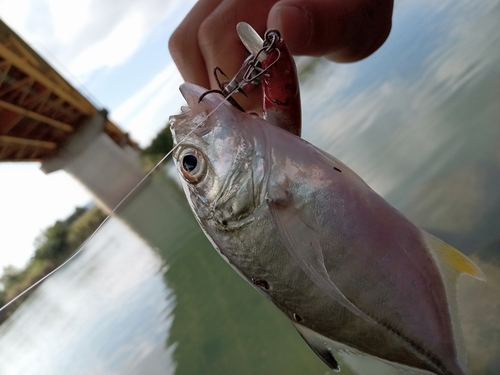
[341, 30]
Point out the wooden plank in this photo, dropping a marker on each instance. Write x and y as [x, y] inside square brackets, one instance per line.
[5, 67]
[8, 120]
[21, 160]
[36, 116]
[9, 140]
[37, 101]
[7, 154]
[23, 82]
[74, 97]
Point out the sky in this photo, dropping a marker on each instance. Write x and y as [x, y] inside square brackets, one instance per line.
[114, 51]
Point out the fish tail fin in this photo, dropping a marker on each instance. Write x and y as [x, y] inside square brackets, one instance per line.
[452, 264]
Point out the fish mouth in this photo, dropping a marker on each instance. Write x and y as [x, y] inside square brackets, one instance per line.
[181, 124]
[192, 94]
[199, 114]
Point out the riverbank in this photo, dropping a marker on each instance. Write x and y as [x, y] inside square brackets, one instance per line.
[52, 248]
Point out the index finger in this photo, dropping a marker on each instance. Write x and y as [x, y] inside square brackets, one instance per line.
[184, 47]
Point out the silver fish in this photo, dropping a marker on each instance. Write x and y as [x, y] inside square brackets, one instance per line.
[349, 270]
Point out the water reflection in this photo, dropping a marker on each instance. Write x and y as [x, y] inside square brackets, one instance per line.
[429, 142]
[221, 325]
[105, 313]
[419, 121]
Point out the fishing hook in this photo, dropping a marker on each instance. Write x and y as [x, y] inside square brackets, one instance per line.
[250, 71]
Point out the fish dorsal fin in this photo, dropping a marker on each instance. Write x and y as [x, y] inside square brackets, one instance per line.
[303, 245]
[319, 346]
[452, 264]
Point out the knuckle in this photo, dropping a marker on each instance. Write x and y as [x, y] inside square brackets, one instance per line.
[208, 32]
[212, 36]
[176, 43]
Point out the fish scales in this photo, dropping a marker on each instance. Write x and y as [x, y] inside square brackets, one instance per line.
[342, 264]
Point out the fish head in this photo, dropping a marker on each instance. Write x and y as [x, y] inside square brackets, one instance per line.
[220, 167]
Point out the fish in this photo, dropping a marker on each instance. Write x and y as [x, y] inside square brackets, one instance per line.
[349, 271]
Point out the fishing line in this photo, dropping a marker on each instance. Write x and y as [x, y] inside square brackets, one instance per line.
[116, 207]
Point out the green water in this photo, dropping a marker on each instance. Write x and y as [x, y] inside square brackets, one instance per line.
[221, 325]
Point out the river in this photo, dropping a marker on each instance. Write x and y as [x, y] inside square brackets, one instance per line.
[419, 120]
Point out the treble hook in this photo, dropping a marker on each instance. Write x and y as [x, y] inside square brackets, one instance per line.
[250, 70]
[232, 86]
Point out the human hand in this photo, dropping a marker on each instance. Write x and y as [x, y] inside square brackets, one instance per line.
[340, 30]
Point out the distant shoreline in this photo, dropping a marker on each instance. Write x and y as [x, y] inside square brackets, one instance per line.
[56, 244]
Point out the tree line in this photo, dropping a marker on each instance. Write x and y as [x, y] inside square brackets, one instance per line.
[52, 247]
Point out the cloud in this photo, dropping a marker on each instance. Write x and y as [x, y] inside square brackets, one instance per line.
[69, 17]
[145, 113]
[14, 13]
[118, 46]
[87, 35]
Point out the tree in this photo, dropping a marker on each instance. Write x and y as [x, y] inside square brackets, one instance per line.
[158, 148]
[53, 242]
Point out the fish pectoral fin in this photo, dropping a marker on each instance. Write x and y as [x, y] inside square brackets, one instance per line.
[319, 346]
[302, 243]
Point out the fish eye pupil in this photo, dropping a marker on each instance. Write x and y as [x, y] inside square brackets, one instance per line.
[189, 162]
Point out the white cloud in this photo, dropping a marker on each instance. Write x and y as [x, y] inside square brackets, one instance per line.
[69, 17]
[113, 34]
[145, 113]
[86, 35]
[118, 46]
[14, 12]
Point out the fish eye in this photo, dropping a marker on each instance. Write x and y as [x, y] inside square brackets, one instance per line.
[192, 165]
[189, 162]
